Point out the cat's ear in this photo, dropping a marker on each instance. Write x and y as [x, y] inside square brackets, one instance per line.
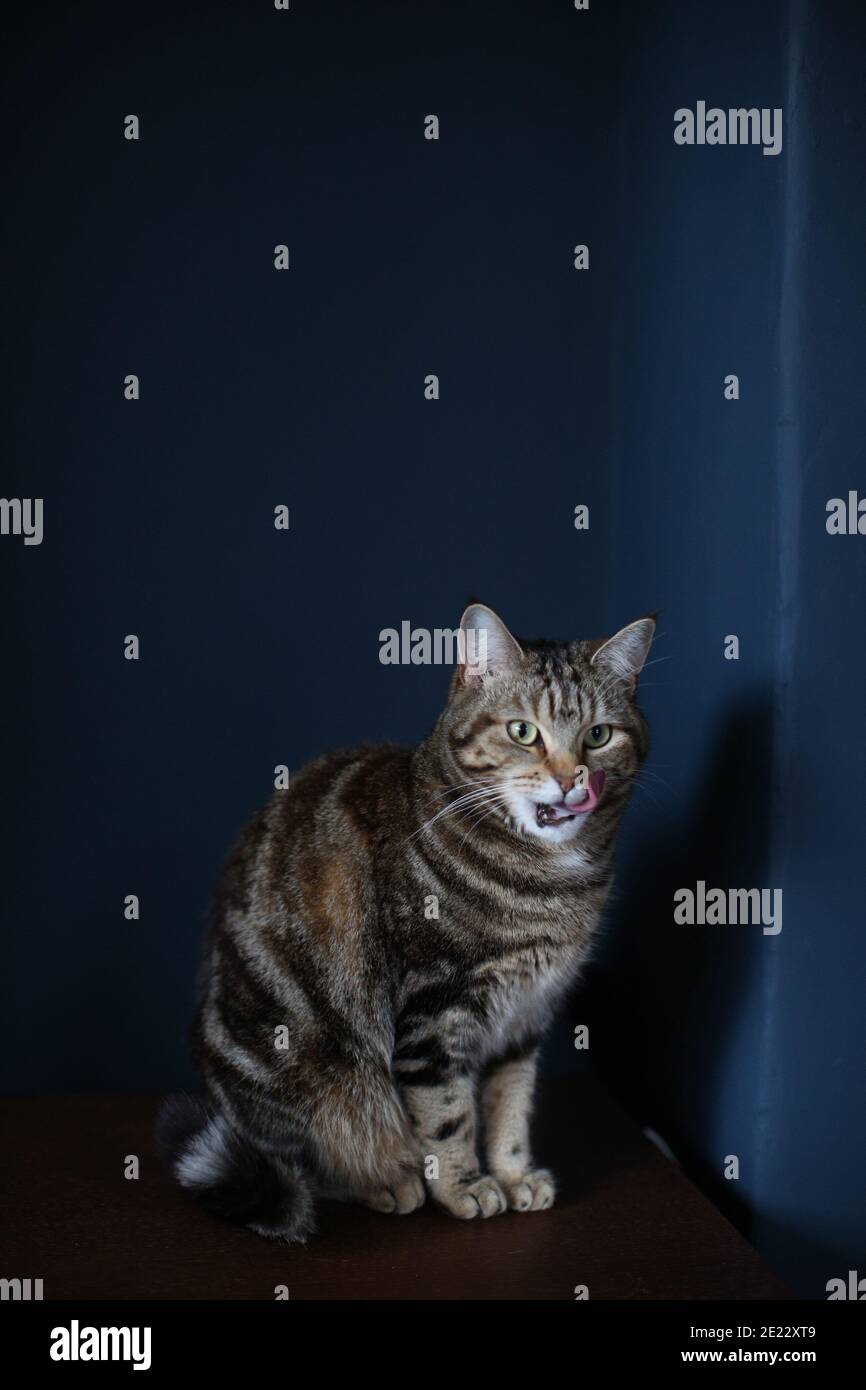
[624, 654]
[487, 648]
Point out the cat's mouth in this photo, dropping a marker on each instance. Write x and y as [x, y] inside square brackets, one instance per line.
[555, 813]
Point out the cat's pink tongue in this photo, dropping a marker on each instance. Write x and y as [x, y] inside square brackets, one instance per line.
[564, 810]
[594, 790]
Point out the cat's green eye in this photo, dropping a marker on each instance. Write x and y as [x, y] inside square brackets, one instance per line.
[524, 733]
[597, 736]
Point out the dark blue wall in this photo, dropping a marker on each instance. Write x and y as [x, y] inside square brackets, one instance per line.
[257, 388]
[558, 387]
[811, 1196]
[729, 1041]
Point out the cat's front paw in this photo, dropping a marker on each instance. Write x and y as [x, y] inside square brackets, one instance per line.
[404, 1197]
[534, 1191]
[478, 1197]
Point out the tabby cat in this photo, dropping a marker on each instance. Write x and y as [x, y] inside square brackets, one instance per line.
[391, 937]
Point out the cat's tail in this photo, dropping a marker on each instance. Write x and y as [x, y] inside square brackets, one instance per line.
[230, 1178]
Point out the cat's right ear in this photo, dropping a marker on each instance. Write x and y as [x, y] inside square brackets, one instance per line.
[624, 654]
[486, 647]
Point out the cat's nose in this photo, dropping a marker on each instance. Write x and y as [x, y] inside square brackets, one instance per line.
[578, 779]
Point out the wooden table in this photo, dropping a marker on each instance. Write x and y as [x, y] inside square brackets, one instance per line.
[627, 1224]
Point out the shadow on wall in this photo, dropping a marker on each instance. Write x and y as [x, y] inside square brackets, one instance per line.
[667, 1002]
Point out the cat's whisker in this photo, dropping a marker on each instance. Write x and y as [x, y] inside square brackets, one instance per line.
[646, 772]
[461, 802]
[499, 802]
[655, 661]
[446, 791]
[636, 779]
[478, 819]
[642, 787]
[479, 805]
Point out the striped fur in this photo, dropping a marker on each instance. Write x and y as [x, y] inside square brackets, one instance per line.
[390, 939]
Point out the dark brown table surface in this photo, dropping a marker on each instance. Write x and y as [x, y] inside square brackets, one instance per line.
[627, 1223]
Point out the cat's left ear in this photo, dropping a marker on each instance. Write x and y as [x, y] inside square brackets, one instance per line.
[486, 647]
[624, 654]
